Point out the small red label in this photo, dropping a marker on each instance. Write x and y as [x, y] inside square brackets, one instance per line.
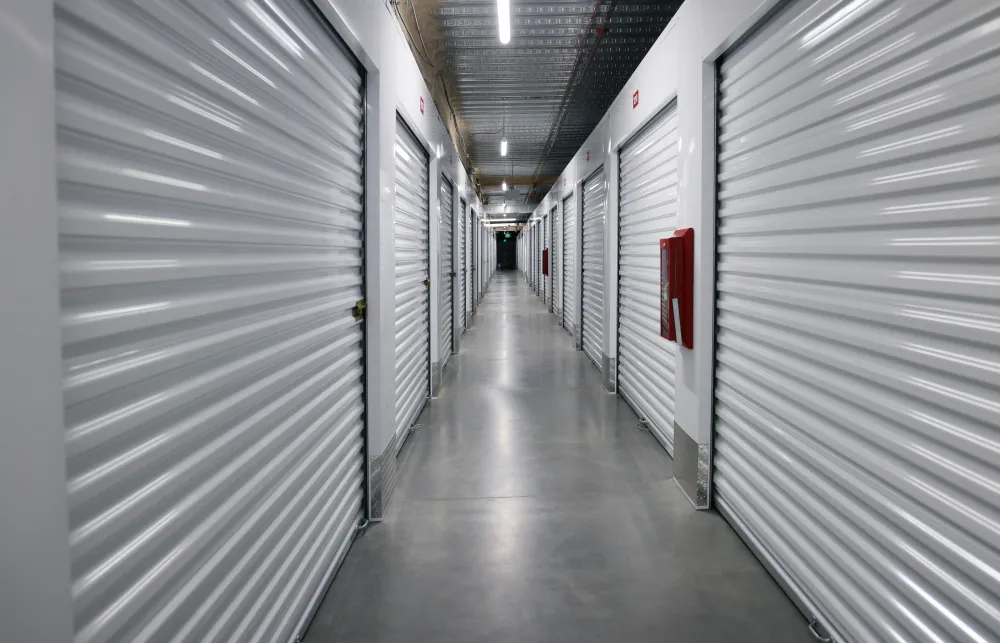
[635, 99]
[422, 104]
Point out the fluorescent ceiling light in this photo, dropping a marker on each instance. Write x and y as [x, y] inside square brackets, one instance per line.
[504, 186]
[503, 147]
[503, 14]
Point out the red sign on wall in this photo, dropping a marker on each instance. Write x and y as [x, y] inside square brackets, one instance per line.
[421, 104]
[635, 99]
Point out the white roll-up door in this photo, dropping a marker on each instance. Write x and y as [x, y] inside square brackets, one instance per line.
[480, 262]
[546, 279]
[412, 260]
[647, 212]
[446, 270]
[857, 418]
[471, 274]
[477, 250]
[555, 267]
[539, 286]
[535, 258]
[461, 275]
[569, 286]
[211, 255]
[593, 266]
[531, 255]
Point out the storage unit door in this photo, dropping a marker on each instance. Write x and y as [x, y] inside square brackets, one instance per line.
[538, 259]
[593, 266]
[647, 212]
[462, 271]
[446, 269]
[857, 414]
[555, 266]
[531, 256]
[545, 246]
[412, 258]
[211, 247]
[568, 265]
[476, 250]
[531, 250]
[471, 272]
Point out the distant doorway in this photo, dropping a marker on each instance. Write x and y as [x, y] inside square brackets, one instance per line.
[506, 250]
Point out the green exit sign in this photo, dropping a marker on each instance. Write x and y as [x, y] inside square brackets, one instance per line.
[506, 234]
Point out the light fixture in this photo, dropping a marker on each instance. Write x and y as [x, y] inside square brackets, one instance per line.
[503, 146]
[503, 186]
[503, 16]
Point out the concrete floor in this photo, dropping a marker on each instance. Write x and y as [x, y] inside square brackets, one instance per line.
[531, 508]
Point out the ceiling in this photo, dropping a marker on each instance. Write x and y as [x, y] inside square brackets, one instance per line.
[550, 86]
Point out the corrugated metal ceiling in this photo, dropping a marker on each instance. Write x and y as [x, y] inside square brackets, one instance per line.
[521, 88]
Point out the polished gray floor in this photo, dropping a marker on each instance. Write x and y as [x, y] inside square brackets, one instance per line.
[530, 507]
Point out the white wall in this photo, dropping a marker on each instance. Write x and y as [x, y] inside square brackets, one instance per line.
[394, 85]
[681, 66]
[34, 534]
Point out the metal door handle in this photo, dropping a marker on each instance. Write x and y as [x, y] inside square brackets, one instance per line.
[359, 310]
[815, 632]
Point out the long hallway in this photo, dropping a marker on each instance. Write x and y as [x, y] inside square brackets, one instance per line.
[530, 507]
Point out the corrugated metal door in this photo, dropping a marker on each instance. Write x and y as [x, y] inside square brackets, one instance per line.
[545, 246]
[412, 258]
[483, 264]
[568, 266]
[593, 266]
[555, 265]
[446, 270]
[857, 417]
[647, 212]
[462, 275]
[470, 275]
[531, 255]
[211, 254]
[476, 249]
[538, 259]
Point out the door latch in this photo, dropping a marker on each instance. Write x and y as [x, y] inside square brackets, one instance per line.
[359, 310]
